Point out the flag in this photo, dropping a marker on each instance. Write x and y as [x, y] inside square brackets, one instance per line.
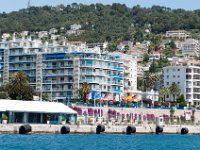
[89, 96]
[129, 98]
[96, 95]
[135, 98]
[107, 97]
[117, 98]
[122, 97]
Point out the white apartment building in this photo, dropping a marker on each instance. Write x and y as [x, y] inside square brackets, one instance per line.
[190, 46]
[154, 57]
[130, 74]
[60, 70]
[177, 34]
[187, 76]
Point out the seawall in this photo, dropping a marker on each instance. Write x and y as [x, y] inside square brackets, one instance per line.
[87, 129]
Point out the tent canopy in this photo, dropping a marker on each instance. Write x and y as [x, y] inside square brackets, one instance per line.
[35, 107]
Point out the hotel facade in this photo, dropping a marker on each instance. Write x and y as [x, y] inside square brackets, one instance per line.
[60, 69]
[186, 75]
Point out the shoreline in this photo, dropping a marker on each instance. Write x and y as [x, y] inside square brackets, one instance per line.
[91, 129]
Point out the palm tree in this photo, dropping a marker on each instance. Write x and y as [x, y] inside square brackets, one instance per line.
[3, 92]
[84, 90]
[19, 88]
[174, 90]
[163, 92]
[149, 80]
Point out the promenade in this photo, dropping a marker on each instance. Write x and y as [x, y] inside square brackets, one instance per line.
[91, 129]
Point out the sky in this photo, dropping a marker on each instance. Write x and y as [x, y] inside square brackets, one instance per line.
[14, 5]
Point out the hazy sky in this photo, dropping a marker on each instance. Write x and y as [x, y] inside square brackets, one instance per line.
[12, 5]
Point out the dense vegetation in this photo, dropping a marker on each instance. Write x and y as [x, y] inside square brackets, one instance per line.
[18, 88]
[114, 22]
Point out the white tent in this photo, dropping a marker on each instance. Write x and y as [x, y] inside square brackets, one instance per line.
[34, 106]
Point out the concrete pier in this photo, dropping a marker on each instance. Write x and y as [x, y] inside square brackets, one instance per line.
[87, 129]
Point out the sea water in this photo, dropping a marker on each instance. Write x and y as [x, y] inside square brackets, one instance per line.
[99, 142]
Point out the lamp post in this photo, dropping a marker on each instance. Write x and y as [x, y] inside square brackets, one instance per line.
[68, 97]
[51, 91]
[41, 92]
[51, 88]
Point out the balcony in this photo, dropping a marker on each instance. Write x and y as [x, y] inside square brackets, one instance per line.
[58, 74]
[117, 91]
[20, 54]
[90, 81]
[22, 68]
[119, 68]
[117, 83]
[22, 61]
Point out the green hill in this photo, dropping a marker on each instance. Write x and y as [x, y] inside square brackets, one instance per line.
[101, 22]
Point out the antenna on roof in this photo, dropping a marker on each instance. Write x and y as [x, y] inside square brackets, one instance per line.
[29, 4]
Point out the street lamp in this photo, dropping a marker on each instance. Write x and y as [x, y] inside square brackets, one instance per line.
[41, 90]
[68, 97]
[51, 88]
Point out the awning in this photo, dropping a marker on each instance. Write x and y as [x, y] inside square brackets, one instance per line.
[35, 107]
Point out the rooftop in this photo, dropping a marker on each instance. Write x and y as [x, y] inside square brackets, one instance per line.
[34, 106]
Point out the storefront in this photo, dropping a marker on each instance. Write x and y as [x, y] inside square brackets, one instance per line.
[15, 111]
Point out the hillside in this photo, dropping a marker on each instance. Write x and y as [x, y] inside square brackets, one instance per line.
[102, 22]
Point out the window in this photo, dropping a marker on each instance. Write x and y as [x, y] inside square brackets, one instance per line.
[62, 64]
[167, 76]
[62, 79]
[178, 69]
[167, 83]
[178, 76]
[174, 76]
[69, 86]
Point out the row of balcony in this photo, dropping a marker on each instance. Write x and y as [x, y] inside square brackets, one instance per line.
[59, 74]
[103, 66]
[67, 89]
[22, 61]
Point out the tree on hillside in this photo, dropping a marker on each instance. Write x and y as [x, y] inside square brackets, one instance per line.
[113, 22]
[154, 67]
[163, 62]
[84, 90]
[19, 88]
[145, 58]
[172, 44]
[168, 51]
[112, 47]
[126, 48]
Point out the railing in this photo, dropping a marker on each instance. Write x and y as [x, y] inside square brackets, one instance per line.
[22, 68]
[127, 105]
[58, 74]
[21, 61]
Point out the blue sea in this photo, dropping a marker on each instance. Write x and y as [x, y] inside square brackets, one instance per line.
[99, 142]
